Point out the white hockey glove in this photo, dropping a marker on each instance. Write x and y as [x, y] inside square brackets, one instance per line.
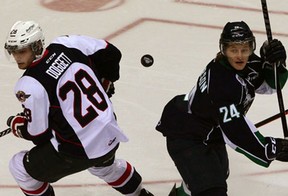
[18, 125]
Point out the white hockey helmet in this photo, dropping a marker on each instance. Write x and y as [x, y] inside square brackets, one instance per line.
[24, 34]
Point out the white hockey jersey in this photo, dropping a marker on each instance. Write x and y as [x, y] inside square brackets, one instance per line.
[65, 103]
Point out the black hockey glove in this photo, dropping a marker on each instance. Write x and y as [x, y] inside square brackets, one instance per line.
[108, 87]
[277, 148]
[273, 53]
[18, 125]
[282, 152]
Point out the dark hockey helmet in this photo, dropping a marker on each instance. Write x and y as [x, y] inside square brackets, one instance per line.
[236, 32]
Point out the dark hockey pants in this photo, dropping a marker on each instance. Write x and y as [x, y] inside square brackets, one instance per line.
[202, 167]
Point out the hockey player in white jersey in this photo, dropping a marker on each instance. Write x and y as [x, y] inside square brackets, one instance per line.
[67, 113]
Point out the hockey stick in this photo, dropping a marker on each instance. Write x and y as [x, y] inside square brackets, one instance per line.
[5, 132]
[270, 119]
[278, 88]
[259, 124]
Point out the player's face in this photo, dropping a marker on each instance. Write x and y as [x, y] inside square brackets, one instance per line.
[238, 54]
[23, 57]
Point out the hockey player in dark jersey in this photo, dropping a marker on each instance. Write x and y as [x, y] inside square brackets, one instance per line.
[199, 124]
[68, 115]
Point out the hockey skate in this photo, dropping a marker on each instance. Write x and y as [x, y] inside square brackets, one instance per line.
[173, 191]
[144, 192]
[178, 191]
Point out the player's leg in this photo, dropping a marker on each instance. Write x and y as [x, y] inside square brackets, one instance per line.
[43, 164]
[27, 184]
[122, 176]
[33, 170]
[203, 168]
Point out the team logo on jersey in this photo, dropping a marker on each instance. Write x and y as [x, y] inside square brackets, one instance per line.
[21, 96]
[111, 141]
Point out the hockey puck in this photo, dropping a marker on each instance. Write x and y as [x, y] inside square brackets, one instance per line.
[147, 60]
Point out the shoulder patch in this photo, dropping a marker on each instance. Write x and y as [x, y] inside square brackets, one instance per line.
[22, 96]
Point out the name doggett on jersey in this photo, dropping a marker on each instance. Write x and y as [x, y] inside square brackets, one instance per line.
[58, 66]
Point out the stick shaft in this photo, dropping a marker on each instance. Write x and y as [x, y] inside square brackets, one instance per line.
[5, 132]
[277, 82]
[259, 124]
[270, 119]
[266, 20]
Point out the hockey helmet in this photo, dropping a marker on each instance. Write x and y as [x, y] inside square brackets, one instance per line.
[236, 32]
[24, 34]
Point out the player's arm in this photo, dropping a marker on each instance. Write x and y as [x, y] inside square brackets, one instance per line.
[32, 123]
[103, 55]
[107, 62]
[241, 134]
[238, 132]
[107, 66]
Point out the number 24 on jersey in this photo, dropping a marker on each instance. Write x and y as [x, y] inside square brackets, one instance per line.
[229, 112]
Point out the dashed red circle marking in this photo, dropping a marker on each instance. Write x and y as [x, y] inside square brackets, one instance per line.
[81, 5]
